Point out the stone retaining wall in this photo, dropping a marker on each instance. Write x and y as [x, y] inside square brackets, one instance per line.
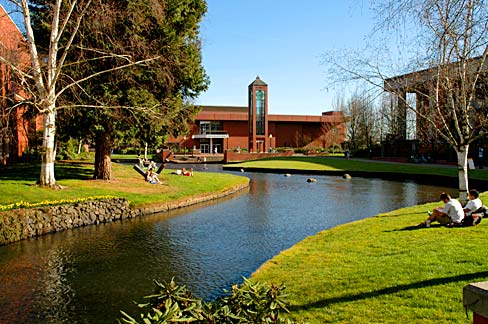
[19, 224]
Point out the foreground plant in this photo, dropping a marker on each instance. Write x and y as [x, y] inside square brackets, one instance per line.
[250, 302]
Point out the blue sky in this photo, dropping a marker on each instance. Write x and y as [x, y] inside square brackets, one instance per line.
[281, 41]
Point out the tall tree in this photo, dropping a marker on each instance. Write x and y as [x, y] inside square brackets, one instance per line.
[46, 82]
[450, 44]
[160, 92]
[361, 126]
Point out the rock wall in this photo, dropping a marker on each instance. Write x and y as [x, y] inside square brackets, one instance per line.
[19, 224]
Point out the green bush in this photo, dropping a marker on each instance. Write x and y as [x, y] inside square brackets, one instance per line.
[251, 302]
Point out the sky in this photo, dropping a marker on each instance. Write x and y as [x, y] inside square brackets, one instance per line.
[282, 41]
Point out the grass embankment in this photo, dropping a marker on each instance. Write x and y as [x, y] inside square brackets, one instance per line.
[17, 183]
[382, 270]
[341, 164]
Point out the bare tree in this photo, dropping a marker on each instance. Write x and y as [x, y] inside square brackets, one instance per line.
[41, 78]
[330, 133]
[362, 127]
[451, 39]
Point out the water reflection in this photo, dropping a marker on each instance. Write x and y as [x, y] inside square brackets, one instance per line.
[87, 275]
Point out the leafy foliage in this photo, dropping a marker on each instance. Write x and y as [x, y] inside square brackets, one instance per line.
[147, 101]
[251, 302]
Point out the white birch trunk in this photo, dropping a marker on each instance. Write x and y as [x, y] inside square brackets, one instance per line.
[47, 166]
[145, 152]
[462, 155]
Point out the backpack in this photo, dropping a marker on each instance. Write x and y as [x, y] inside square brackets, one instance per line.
[475, 218]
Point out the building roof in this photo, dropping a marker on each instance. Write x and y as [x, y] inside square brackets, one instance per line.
[258, 82]
[12, 42]
[239, 113]
[415, 80]
[11, 35]
[234, 109]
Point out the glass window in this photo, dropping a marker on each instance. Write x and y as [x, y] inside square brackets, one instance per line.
[209, 127]
[250, 111]
[204, 127]
[216, 126]
[260, 113]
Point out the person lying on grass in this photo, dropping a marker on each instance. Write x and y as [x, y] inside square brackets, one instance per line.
[452, 212]
[188, 173]
[152, 177]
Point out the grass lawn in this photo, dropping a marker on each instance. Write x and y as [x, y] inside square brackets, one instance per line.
[17, 183]
[382, 270]
[341, 164]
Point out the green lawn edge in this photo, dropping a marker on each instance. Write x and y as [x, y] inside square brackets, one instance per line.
[17, 184]
[382, 270]
[304, 163]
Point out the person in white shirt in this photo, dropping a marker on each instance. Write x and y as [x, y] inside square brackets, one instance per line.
[474, 202]
[452, 212]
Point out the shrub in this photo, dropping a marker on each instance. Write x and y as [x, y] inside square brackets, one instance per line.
[251, 302]
[300, 150]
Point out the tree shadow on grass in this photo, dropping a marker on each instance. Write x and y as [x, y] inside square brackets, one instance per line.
[394, 214]
[391, 290]
[31, 172]
[413, 228]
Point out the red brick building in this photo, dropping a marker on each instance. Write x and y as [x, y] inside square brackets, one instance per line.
[252, 128]
[14, 127]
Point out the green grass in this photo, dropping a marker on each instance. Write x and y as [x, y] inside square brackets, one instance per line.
[382, 270]
[17, 183]
[341, 164]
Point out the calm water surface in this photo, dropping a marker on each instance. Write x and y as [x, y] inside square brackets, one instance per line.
[87, 275]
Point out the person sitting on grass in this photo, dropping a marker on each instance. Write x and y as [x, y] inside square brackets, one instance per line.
[152, 177]
[452, 212]
[474, 202]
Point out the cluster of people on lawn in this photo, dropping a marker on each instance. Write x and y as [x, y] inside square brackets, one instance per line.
[152, 177]
[453, 213]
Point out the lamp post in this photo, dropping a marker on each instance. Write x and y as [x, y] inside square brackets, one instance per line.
[270, 139]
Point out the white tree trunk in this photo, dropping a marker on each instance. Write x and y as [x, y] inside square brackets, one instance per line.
[47, 167]
[462, 155]
[145, 152]
[79, 146]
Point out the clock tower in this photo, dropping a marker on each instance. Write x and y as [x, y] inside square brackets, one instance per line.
[258, 116]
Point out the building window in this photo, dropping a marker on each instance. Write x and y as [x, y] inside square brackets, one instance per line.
[204, 127]
[209, 127]
[250, 112]
[260, 113]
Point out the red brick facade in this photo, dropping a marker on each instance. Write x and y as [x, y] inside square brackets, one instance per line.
[14, 128]
[224, 128]
[285, 130]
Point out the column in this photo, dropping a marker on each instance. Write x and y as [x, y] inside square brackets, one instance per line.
[401, 115]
